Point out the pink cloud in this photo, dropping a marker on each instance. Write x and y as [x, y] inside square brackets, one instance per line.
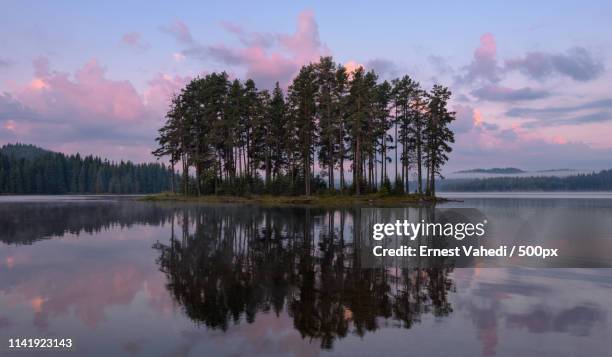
[304, 44]
[178, 57]
[10, 125]
[268, 57]
[487, 49]
[87, 95]
[484, 64]
[477, 117]
[469, 118]
[352, 66]
[161, 89]
[86, 111]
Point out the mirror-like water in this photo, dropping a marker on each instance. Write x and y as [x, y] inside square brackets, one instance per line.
[122, 277]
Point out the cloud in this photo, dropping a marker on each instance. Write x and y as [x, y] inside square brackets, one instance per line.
[524, 147]
[86, 111]
[259, 39]
[550, 112]
[597, 111]
[222, 54]
[469, 118]
[504, 94]
[304, 44]
[179, 31]
[576, 63]
[161, 89]
[134, 40]
[440, 65]
[89, 94]
[178, 57]
[463, 118]
[11, 109]
[484, 66]
[383, 67]
[352, 66]
[266, 57]
[525, 143]
[579, 320]
[232, 27]
[591, 118]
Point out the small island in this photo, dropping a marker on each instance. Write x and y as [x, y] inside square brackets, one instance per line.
[235, 142]
[495, 170]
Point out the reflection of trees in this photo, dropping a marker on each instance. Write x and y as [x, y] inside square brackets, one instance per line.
[26, 223]
[229, 263]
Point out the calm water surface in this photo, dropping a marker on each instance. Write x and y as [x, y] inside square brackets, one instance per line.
[127, 278]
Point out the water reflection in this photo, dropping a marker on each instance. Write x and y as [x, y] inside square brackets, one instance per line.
[265, 281]
[227, 264]
[28, 222]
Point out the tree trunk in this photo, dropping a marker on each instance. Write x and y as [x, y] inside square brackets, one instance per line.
[432, 185]
[357, 169]
[185, 174]
[396, 144]
[419, 160]
[172, 178]
[341, 157]
[268, 168]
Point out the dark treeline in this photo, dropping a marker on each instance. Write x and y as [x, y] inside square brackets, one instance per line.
[601, 181]
[238, 139]
[26, 169]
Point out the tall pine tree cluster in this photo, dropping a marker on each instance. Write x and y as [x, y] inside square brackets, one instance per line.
[333, 130]
[26, 169]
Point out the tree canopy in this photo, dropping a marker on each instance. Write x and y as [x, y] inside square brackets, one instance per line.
[230, 137]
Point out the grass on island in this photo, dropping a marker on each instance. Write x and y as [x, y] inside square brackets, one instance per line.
[313, 200]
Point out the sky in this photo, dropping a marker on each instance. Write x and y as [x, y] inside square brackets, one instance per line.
[530, 80]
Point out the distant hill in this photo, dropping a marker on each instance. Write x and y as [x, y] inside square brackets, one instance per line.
[28, 169]
[23, 151]
[495, 170]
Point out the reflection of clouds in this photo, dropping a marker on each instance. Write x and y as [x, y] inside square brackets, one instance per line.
[85, 285]
[157, 294]
[270, 335]
[534, 300]
[37, 304]
[88, 292]
[11, 258]
[577, 320]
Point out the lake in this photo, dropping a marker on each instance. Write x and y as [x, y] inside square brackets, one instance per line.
[127, 278]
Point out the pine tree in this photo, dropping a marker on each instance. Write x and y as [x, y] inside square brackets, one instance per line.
[327, 103]
[438, 133]
[302, 106]
[277, 138]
